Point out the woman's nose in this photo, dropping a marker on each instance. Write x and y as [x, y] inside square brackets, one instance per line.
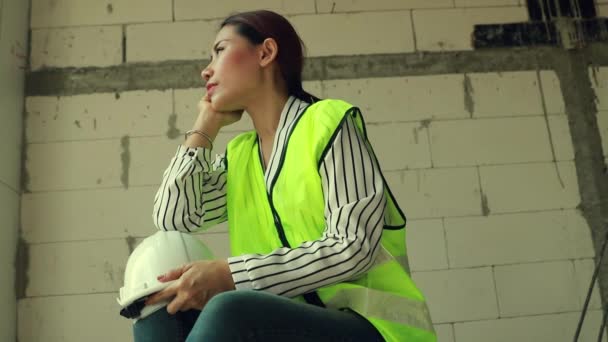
[206, 74]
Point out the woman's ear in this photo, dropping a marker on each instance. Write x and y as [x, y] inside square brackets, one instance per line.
[268, 52]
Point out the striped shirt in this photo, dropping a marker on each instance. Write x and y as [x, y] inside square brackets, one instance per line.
[192, 197]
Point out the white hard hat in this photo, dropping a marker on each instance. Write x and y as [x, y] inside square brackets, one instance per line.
[156, 255]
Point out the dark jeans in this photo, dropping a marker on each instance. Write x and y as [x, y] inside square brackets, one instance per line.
[255, 316]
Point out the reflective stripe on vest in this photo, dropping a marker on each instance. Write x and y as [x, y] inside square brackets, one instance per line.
[385, 256]
[384, 305]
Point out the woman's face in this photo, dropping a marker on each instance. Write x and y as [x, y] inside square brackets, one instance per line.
[233, 72]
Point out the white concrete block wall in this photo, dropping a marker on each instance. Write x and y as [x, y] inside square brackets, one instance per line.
[488, 183]
[64, 13]
[13, 49]
[404, 99]
[76, 47]
[66, 318]
[536, 236]
[436, 193]
[88, 33]
[552, 327]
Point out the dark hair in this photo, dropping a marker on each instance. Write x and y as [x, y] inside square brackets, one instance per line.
[257, 26]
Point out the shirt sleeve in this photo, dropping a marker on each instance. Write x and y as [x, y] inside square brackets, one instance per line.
[354, 215]
[192, 195]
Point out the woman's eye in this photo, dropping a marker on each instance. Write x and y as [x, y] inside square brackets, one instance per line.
[217, 51]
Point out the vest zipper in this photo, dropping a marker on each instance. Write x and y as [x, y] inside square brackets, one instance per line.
[311, 297]
[278, 224]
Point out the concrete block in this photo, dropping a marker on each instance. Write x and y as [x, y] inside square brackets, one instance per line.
[98, 116]
[583, 272]
[76, 267]
[75, 165]
[398, 99]
[602, 10]
[338, 6]
[459, 295]
[91, 12]
[61, 318]
[539, 288]
[104, 214]
[554, 99]
[517, 238]
[490, 141]
[599, 81]
[504, 94]
[538, 328]
[524, 187]
[561, 138]
[445, 332]
[486, 3]
[401, 145]
[207, 9]
[433, 37]
[602, 123]
[375, 32]
[436, 193]
[76, 47]
[158, 42]
[426, 247]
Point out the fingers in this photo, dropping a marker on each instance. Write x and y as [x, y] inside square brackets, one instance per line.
[173, 274]
[186, 301]
[177, 304]
[206, 97]
[165, 294]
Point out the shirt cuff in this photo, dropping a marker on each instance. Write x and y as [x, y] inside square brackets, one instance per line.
[200, 154]
[240, 276]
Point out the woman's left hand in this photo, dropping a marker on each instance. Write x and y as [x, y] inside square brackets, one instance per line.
[196, 283]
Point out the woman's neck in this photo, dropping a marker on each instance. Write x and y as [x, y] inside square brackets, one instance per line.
[265, 112]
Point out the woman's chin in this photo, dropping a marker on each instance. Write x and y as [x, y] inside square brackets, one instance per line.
[221, 105]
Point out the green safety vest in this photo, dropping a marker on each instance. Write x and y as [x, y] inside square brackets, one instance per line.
[292, 212]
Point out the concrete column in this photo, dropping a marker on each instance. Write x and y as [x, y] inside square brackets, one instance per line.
[13, 51]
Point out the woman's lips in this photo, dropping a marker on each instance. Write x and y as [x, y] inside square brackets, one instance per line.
[210, 89]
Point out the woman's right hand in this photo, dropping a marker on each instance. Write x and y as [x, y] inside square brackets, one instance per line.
[206, 112]
[210, 121]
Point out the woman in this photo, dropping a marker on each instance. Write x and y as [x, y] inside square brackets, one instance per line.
[318, 239]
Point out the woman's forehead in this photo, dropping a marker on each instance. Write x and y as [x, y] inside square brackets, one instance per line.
[226, 32]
